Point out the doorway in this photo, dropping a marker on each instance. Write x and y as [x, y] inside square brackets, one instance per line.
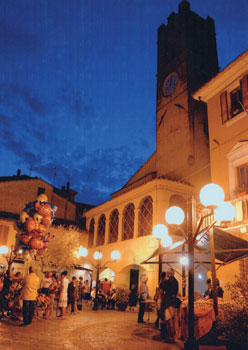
[134, 278]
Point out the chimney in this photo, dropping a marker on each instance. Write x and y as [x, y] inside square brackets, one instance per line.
[18, 172]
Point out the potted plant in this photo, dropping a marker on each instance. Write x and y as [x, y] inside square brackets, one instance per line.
[122, 298]
[232, 321]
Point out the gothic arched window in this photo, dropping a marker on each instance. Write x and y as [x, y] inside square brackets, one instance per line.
[128, 222]
[91, 233]
[113, 226]
[145, 217]
[101, 230]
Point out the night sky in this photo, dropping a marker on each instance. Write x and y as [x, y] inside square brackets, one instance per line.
[78, 85]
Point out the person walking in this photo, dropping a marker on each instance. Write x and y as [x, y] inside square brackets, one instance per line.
[28, 295]
[86, 291]
[143, 295]
[45, 283]
[169, 289]
[51, 293]
[63, 295]
[132, 297]
[71, 295]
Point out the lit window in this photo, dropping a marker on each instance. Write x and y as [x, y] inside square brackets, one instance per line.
[145, 217]
[128, 222]
[101, 230]
[113, 226]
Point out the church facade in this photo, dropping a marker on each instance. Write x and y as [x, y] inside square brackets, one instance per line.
[179, 167]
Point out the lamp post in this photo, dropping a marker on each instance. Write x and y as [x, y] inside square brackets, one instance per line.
[211, 196]
[160, 232]
[115, 255]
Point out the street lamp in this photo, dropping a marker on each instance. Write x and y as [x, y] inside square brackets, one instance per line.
[4, 250]
[115, 255]
[83, 252]
[211, 196]
[160, 232]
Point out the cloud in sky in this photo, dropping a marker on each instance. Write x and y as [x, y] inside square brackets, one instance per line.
[78, 85]
[52, 141]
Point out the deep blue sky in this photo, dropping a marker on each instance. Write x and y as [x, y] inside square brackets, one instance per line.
[78, 86]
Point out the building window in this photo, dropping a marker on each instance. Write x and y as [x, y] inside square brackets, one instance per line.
[236, 102]
[128, 222]
[40, 190]
[4, 231]
[243, 177]
[145, 217]
[243, 269]
[101, 230]
[91, 233]
[113, 226]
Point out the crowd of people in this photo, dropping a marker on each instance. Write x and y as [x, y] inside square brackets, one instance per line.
[168, 302]
[23, 298]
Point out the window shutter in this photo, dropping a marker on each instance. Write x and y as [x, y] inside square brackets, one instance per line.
[224, 107]
[244, 90]
[4, 230]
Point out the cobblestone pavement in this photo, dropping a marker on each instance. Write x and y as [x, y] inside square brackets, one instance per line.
[91, 330]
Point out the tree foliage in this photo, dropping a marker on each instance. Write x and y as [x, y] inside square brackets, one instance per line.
[61, 252]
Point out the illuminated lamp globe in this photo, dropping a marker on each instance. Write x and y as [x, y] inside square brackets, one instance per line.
[97, 255]
[160, 231]
[115, 255]
[184, 260]
[225, 212]
[82, 252]
[174, 216]
[166, 241]
[4, 249]
[212, 195]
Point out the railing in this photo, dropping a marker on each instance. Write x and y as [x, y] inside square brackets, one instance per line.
[241, 216]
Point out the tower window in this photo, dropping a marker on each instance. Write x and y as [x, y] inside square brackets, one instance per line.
[40, 190]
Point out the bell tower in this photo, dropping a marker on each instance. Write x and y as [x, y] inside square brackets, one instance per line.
[186, 59]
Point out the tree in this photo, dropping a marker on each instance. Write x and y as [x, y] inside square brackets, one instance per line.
[61, 252]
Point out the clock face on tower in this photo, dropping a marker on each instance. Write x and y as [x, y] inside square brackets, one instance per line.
[170, 84]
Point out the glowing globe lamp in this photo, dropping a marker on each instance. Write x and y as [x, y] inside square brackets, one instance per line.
[97, 255]
[115, 255]
[160, 231]
[225, 212]
[82, 252]
[184, 260]
[166, 241]
[174, 216]
[4, 249]
[212, 195]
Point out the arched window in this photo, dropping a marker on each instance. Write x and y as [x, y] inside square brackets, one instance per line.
[101, 230]
[113, 226]
[91, 233]
[128, 222]
[145, 217]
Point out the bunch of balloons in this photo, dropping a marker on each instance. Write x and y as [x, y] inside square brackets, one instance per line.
[34, 222]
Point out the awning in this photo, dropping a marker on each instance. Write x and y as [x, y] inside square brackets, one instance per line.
[228, 247]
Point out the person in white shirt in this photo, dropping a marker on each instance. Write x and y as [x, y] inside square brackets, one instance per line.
[63, 296]
[45, 283]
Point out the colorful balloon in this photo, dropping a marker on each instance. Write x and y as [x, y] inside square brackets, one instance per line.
[36, 243]
[30, 225]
